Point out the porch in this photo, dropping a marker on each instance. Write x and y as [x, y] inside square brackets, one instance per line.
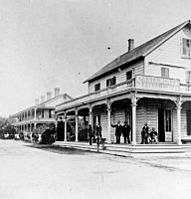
[139, 150]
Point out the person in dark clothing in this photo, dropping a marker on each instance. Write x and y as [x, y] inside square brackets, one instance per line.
[118, 131]
[90, 134]
[144, 134]
[60, 130]
[98, 134]
[125, 131]
[153, 136]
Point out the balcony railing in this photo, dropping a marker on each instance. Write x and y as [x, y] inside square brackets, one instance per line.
[157, 83]
[142, 82]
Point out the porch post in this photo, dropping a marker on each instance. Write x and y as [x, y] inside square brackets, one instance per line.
[109, 121]
[34, 125]
[34, 113]
[76, 126]
[178, 108]
[65, 127]
[90, 115]
[134, 105]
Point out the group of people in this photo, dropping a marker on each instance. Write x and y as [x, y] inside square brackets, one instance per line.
[148, 136]
[122, 130]
[96, 136]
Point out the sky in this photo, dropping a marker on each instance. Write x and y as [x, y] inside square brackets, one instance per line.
[60, 43]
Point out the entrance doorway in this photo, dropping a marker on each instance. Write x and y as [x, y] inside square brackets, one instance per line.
[188, 118]
[165, 125]
[161, 130]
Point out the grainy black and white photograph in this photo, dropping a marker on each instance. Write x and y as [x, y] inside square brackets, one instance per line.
[95, 99]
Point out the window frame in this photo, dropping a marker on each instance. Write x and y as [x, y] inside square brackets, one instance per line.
[111, 81]
[163, 72]
[131, 74]
[97, 87]
[186, 50]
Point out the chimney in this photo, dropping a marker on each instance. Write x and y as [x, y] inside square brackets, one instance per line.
[56, 91]
[36, 101]
[130, 44]
[42, 98]
[49, 95]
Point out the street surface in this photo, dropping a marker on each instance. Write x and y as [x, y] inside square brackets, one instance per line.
[27, 172]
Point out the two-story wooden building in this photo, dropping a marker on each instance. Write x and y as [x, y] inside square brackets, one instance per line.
[150, 83]
[40, 114]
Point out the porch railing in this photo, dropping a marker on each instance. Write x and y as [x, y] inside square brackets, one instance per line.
[157, 83]
[139, 82]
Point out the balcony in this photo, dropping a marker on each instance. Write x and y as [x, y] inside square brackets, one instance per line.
[157, 83]
[140, 82]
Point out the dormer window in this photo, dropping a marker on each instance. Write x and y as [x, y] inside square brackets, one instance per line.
[111, 81]
[186, 48]
[97, 87]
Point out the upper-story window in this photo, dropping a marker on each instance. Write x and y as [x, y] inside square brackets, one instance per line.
[129, 75]
[186, 48]
[111, 81]
[188, 74]
[50, 114]
[165, 72]
[97, 87]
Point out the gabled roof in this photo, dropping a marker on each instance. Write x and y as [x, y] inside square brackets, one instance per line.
[138, 52]
[43, 104]
[64, 96]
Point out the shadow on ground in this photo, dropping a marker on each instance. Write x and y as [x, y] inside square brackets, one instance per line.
[58, 149]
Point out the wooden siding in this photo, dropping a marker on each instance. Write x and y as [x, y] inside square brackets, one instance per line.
[183, 123]
[169, 53]
[141, 113]
[120, 76]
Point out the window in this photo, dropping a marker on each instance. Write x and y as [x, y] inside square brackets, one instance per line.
[168, 120]
[188, 74]
[111, 82]
[97, 87]
[129, 75]
[186, 47]
[50, 114]
[165, 72]
[42, 113]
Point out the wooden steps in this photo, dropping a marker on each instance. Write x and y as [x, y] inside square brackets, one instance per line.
[170, 149]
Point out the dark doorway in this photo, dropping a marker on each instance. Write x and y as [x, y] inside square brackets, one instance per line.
[60, 131]
[188, 117]
[161, 132]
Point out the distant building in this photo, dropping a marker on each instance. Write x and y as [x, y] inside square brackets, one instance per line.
[150, 83]
[40, 114]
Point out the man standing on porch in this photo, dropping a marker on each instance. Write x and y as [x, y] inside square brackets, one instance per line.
[126, 130]
[118, 131]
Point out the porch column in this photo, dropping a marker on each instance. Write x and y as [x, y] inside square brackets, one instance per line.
[76, 125]
[178, 108]
[34, 125]
[34, 113]
[134, 105]
[108, 122]
[90, 115]
[65, 127]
